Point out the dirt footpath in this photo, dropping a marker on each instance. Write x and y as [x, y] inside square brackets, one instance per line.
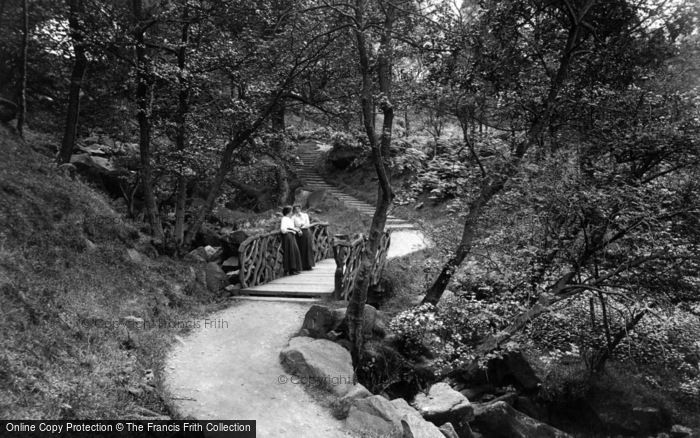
[229, 368]
[234, 372]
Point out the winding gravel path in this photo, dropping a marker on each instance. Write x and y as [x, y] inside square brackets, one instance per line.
[229, 368]
[235, 373]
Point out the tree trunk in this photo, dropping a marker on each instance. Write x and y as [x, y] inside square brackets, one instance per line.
[406, 123]
[277, 117]
[143, 88]
[181, 137]
[282, 185]
[599, 363]
[180, 204]
[492, 187]
[22, 113]
[358, 298]
[76, 81]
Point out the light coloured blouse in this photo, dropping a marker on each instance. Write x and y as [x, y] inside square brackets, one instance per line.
[301, 220]
[287, 225]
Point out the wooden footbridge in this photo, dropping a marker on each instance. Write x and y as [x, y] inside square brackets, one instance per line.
[337, 262]
[337, 257]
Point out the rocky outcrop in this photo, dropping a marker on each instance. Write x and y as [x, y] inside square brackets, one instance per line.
[510, 369]
[443, 404]
[638, 421]
[206, 253]
[415, 427]
[448, 431]
[679, 431]
[374, 416]
[134, 256]
[215, 278]
[321, 363]
[403, 407]
[373, 324]
[318, 321]
[377, 416]
[499, 420]
[357, 392]
[212, 253]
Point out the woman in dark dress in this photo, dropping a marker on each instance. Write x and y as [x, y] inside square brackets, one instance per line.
[291, 258]
[305, 240]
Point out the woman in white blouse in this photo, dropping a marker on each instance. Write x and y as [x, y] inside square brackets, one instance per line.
[291, 258]
[305, 240]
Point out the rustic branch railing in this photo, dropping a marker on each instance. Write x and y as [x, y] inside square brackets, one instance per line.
[261, 255]
[348, 255]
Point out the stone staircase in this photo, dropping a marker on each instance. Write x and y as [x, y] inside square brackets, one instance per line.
[308, 153]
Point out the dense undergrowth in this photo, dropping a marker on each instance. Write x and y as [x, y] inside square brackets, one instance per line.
[656, 364]
[85, 327]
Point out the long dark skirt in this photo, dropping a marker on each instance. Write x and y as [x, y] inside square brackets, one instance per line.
[305, 241]
[291, 258]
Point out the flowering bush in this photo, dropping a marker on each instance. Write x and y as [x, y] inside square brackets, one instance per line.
[664, 340]
[451, 331]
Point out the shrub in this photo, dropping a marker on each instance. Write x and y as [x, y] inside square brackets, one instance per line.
[452, 331]
[665, 340]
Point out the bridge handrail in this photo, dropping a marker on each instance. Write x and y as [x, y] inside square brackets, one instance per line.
[260, 256]
[348, 256]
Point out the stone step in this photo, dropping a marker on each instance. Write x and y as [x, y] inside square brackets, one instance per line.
[400, 226]
[290, 299]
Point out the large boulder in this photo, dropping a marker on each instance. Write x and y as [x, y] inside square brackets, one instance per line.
[528, 407]
[448, 431]
[216, 278]
[443, 404]
[134, 256]
[373, 325]
[318, 321]
[404, 408]
[231, 264]
[377, 416]
[679, 431]
[321, 363]
[374, 416]
[197, 255]
[499, 420]
[212, 252]
[510, 369]
[8, 110]
[638, 421]
[100, 164]
[416, 427]
[315, 198]
[357, 392]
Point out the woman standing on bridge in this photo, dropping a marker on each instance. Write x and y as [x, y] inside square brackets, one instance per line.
[291, 258]
[305, 240]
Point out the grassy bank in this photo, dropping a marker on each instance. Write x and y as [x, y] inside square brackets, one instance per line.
[85, 326]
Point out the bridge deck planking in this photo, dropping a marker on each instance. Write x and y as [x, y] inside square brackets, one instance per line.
[319, 282]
